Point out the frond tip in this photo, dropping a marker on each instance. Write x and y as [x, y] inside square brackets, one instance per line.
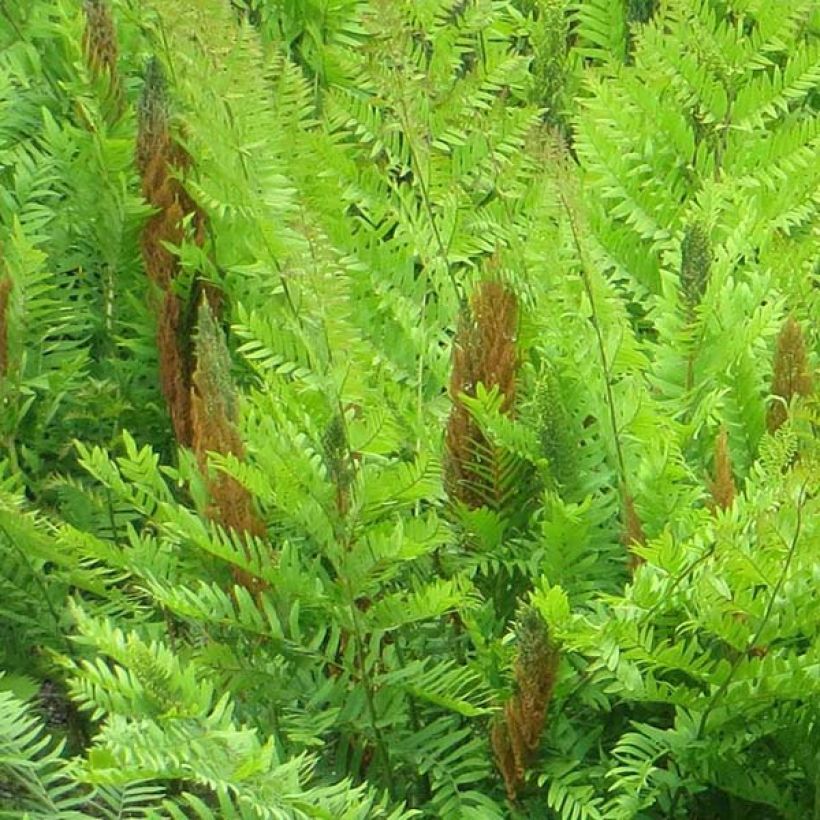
[152, 113]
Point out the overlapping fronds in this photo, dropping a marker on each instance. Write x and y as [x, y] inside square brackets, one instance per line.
[486, 334]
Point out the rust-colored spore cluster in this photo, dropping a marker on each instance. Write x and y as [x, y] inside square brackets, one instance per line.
[722, 484]
[792, 374]
[516, 732]
[6, 286]
[160, 161]
[213, 417]
[485, 352]
[101, 51]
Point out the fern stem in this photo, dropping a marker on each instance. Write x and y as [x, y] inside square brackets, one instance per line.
[367, 684]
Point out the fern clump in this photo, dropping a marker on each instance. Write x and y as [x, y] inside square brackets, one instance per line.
[408, 409]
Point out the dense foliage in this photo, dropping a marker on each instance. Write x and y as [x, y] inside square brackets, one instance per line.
[409, 408]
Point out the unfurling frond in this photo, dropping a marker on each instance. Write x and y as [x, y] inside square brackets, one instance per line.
[792, 374]
[484, 353]
[516, 733]
[722, 484]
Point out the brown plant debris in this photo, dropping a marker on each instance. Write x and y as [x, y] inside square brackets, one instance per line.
[722, 484]
[213, 424]
[101, 51]
[516, 733]
[791, 373]
[484, 352]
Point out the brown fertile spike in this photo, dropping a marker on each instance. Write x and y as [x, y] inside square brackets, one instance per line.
[174, 367]
[172, 206]
[495, 312]
[791, 376]
[504, 756]
[515, 736]
[722, 486]
[6, 286]
[100, 47]
[460, 426]
[160, 161]
[535, 672]
[484, 351]
[213, 429]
